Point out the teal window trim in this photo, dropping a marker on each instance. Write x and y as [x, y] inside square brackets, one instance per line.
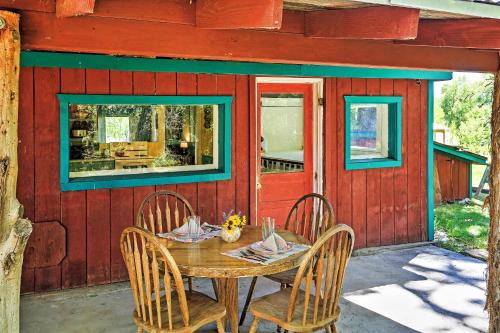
[395, 133]
[430, 161]
[89, 183]
[96, 61]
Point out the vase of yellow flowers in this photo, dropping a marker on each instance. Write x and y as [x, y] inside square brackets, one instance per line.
[232, 226]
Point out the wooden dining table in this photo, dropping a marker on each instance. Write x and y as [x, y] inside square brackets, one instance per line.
[205, 259]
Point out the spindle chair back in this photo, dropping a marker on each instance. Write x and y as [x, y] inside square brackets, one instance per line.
[310, 216]
[160, 300]
[313, 301]
[163, 211]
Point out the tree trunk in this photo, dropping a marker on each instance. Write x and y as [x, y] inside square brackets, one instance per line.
[493, 299]
[14, 229]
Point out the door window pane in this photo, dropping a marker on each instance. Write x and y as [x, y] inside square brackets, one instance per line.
[282, 133]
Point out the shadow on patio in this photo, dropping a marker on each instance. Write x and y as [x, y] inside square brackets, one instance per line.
[423, 289]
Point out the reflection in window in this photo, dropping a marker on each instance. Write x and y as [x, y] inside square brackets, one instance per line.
[373, 132]
[282, 133]
[117, 139]
[369, 131]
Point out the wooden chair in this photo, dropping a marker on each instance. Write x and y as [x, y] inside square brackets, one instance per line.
[309, 217]
[161, 303]
[321, 272]
[163, 211]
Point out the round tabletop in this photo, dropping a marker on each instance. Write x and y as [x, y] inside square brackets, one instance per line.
[205, 258]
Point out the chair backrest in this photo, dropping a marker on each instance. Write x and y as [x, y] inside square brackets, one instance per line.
[163, 211]
[310, 217]
[144, 255]
[323, 270]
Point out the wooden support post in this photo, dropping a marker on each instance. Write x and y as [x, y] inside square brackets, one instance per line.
[484, 178]
[14, 229]
[493, 291]
[68, 8]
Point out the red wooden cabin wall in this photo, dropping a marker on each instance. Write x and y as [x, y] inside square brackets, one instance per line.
[76, 234]
[76, 237]
[453, 177]
[389, 205]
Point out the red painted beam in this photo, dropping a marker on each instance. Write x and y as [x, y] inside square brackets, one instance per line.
[381, 22]
[68, 8]
[466, 33]
[240, 14]
[91, 34]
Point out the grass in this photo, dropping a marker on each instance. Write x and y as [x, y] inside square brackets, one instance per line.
[466, 226]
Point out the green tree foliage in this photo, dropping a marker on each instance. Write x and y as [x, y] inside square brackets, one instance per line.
[466, 110]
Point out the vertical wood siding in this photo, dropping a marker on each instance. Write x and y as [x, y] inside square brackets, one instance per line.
[453, 177]
[385, 206]
[389, 205]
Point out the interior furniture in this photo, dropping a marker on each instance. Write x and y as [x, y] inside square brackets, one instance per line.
[309, 217]
[205, 259]
[321, 272]
[161, 303]
[163, 211]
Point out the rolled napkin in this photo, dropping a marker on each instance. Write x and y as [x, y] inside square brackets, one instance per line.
[275, 243]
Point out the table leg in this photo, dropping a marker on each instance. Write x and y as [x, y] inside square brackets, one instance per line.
[228, 295]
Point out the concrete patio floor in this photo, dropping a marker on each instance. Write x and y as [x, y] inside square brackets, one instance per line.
[421, 289]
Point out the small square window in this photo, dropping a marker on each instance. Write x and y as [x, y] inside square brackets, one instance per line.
[373, 132]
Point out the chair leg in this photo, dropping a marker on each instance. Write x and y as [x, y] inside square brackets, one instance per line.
[278, 328]
[190, 284]
[247, 301]
[220, 326]
[334, 328]
[328, 329]
[253, 328]
[139, 330]
[214, 285]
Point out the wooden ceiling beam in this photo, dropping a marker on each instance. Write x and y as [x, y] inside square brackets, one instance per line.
[464, 33]
[241, 14]
[69, 8]
[381, 22]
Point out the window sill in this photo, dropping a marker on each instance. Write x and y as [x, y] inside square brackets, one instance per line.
[102, 182]
[372, 164]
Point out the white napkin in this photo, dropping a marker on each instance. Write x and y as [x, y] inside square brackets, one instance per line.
[275, 243]
[182, 230]
[189, 228]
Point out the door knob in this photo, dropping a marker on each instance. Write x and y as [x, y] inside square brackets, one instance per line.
[259, 186]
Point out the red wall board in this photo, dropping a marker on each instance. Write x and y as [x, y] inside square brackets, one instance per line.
[207, 192]
[226, 85]
[242, 144]
[344, 179]
[47, 194]
[26, 147]
[373, 190]
[187, 84]
[414, 163]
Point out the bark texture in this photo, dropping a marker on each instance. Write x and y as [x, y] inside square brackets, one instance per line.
[493, 299]
[14, 229]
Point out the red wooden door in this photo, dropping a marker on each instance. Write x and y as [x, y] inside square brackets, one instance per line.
[285, 157]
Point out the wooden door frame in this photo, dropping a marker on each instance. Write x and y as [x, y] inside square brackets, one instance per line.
[318, 163]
